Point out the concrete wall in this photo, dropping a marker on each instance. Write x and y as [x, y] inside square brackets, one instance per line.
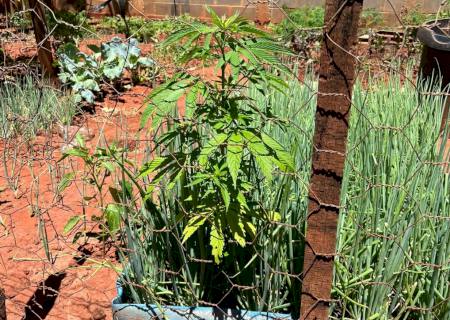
[263, 10]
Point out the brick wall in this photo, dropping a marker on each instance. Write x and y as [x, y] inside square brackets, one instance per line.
[260, 9]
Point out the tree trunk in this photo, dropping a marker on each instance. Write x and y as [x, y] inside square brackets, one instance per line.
[2, 304]
[336, 77]
[44, 47]
[5, 7]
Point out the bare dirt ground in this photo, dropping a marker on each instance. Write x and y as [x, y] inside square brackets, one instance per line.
[78, 282]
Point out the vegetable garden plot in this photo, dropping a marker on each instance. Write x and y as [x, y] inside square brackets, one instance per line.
[199, 205]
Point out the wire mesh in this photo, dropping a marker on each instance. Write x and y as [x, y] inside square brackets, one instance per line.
[392, 253]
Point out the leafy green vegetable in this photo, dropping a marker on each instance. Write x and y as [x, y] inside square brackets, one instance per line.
[83, 72]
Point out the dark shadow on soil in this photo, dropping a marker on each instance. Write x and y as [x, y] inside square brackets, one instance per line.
[43, 299]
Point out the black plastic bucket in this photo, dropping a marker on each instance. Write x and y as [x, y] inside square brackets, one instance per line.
[435, 59]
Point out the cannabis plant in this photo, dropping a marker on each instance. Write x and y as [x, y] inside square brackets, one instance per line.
[211, 204]
[223, 145]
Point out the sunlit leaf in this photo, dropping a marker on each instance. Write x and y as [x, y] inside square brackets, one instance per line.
[234, 155]
[71, 224]
[192, 226]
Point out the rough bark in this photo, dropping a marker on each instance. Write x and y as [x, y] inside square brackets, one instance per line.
[336, 77]
[5, 7]
[2, 304]
[44, 47]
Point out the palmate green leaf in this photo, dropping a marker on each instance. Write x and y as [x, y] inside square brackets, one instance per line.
[178, 36]
[233, 58]
[108, 165]
[175, 177]
[156, 113]
[207, 42]
[249, 29]
[225, 196]
[255, 144]
[286, 159]
[237, 227]
[153, 166]
[257, 56]
[271, 143]
[162, 92]
[283, 156]
[164, 98]
[264, 56]
[233, 22]
[192, 95]
[250, 228]
[166, 138]
[242, 201]
[258, 148]
[216, 20]
[195, 28]
[247, 54]
[277, 83]
[148, 112]
[192, 226]
[217, 240]
[270, 46]
[223, 192]
[265, 164]
[210, 147]
[234, 155]
[197, 179]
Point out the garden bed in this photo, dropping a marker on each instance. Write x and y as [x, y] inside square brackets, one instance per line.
[392, 165]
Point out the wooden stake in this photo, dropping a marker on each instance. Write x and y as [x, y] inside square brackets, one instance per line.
[336, 77]
[2, 304]
[44, 47]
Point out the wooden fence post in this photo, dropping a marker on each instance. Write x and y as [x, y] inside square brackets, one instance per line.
[2, 304]
[336, 77]
[44, 47]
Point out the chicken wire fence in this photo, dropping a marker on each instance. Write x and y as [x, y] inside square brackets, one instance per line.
[392, 257]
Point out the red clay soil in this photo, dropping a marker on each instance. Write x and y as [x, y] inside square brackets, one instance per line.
[81, 289]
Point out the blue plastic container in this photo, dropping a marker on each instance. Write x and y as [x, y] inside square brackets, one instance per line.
[126, 311]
